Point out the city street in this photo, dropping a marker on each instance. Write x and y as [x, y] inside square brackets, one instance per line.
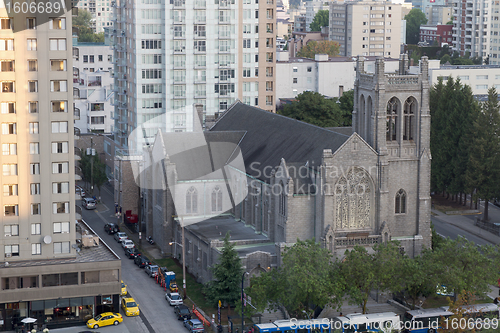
[156, 314]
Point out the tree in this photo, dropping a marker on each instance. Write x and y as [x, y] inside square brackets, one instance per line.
[86, 33]
[346, 107]
[417, 282]
[322, 47]
[305, 281]
[96, 178]
[83, 19]
[414, 19]
[227, 274]
[313, 108]
[461, 265]
[321, 19]
[364, 272]
[484, 171]
[455, 322]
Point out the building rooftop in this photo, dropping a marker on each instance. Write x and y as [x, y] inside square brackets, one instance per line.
[101, 252]
[217, 227]
[333, 59]
[467, 67]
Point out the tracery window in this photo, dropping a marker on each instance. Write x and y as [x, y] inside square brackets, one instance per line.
[392, 119]
[191, 200]
[409, 118]
[216, 199]
[353, 194]
[401, 202]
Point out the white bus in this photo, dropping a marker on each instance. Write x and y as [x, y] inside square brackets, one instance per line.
[374, 322]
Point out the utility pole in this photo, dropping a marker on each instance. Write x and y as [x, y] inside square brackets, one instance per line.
[242, 303]
[92, 167]
[183, 259]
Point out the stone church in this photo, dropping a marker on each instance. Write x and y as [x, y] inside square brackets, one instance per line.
[358, 185]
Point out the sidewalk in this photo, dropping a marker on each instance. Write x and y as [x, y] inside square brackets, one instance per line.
[466, 224]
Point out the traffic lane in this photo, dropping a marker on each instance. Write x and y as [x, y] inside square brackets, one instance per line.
[146, 292]
[451, 231]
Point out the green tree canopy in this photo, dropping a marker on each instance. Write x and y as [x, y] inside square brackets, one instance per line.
[322, 47]
[83, 23]
[306, 280]
[227, 273]
[98, 177]
[484, 171]
[321, 19]
[414, 19]
[364, 272]
[314, 108]
[461, 265]
[346, 106]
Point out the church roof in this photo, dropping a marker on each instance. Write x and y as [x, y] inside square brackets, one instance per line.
[270, 137]
[198, 155]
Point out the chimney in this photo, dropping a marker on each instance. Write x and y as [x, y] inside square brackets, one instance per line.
[198, 121]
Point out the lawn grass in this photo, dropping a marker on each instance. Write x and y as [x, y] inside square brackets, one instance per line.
[437, 301]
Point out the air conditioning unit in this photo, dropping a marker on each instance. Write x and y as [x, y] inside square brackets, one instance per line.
[8, 255]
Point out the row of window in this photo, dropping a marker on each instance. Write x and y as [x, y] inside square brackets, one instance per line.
[36, 249]
[55, 86]
[90, 58]
[57, 188]
[57, 208]
[10, 169]
[60, 279]
[57, 228]
[55, 23]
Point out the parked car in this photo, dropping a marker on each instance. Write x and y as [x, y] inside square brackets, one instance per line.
[130, 307]
[142, 261]
[173, 298]
[124, 289]
[120, 236]
[127, 244]
[79, 190]
[182, 312]
[151, 270]
[496, 202]
[194, 326]
[131, 253]
[89, 203]
[111, 228]
[105, 319]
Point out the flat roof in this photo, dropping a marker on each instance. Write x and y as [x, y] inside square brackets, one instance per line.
[216, 228]
[101, 252]
[333, 59]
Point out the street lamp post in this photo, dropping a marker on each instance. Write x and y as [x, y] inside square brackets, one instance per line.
[183, 256]
[242, 306]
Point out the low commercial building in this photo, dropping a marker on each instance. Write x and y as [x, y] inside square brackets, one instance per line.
[296, 75]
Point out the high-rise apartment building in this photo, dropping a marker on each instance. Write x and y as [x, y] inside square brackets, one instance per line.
[368, 28]
[170, 55]
[473, 26]
[45, 272]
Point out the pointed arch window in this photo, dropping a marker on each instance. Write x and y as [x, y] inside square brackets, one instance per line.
[392, 118]
[191, 200]
[282, 198]
[409, 118]
[401, 202]
[217, 199]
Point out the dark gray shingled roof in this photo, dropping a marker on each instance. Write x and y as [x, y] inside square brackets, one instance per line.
[197, 163]
[270, 137]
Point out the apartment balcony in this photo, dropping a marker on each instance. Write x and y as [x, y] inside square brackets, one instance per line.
[180, 3]
[78, 154]
[76, 116]
[200, 4]
[77, 133]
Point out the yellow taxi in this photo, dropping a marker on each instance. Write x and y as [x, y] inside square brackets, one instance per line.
[105, 319]
[124, 289]
[130, 307]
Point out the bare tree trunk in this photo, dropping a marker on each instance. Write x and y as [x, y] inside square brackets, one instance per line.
[476, 203]
[471, 200]
[485, 210]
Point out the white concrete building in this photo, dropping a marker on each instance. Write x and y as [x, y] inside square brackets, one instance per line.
[93, 87]
[475, 25]
[171, 55]
[368, 28]
[480, 78]
[296, 75]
